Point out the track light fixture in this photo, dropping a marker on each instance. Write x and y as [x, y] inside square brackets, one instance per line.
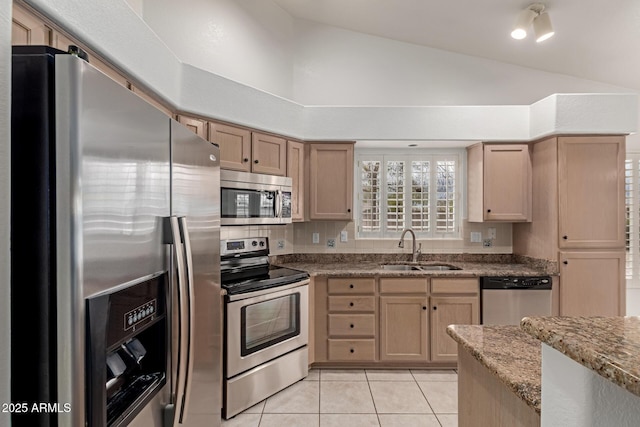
[535, 14]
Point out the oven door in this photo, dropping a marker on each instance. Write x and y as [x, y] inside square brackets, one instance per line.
[265, 325]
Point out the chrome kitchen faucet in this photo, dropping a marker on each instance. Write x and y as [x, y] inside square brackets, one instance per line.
[414, 252]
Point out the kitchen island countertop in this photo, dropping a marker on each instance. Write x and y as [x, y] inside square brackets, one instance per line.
[610, 346]
[508, 353]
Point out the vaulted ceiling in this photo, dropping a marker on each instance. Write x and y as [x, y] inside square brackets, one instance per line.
[594, 39]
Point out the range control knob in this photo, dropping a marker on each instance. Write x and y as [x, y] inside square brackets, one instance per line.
[254, 243]
[261, 244]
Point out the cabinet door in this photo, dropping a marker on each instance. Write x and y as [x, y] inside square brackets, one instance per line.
[447, 311]
[26, 29]
[269, 154]
[403, 328]
[295, 171]
[591, 192]
[507, 183]
[592, 283]
[235, 146]
[331, 181]
[196, 126]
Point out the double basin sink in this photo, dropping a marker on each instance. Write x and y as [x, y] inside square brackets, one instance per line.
[425, 267]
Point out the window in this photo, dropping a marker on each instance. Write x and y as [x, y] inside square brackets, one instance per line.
[421, 192]
[632, 238]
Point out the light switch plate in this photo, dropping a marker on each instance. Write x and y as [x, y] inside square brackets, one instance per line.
[476, 237]
[491, 233]
[343, 236]
[315, 238]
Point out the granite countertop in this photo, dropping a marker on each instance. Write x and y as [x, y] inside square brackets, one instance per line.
[509, 353]
[608, 345]
[371, 268]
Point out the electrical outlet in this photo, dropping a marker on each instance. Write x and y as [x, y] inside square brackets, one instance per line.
[280, 244]
[487, 243]
[476, 237]
[315, 238]
[343, 236]
[331, 243]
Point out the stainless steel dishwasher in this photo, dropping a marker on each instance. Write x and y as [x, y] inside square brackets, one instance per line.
[506, 300]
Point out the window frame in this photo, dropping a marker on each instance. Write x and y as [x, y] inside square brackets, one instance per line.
[632, 218]
[432, 155]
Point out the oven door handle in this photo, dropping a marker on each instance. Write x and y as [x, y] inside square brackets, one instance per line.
[189, 290]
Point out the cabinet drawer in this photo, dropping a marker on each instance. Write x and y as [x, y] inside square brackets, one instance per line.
[397, 285]
[446, 285]
[352, 324]
[352, 350]
[351, 285]
[352, 303]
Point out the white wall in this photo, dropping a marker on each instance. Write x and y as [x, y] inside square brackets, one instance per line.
[5, 169]
[575, 396]
[246, 41]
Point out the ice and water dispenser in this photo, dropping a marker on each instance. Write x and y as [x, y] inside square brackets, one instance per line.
[127, 338]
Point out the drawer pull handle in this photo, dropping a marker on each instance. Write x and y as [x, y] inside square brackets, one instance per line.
[351, 286]
[352, 351]
[350, 304]
[351, 326]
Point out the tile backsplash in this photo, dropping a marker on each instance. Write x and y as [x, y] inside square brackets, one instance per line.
[298, 238]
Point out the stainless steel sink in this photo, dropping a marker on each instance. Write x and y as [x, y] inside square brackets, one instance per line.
[400, 267]
[439, 267]
[411, 267]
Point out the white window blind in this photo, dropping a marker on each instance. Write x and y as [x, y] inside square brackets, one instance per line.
[421, 192]
[632, 199]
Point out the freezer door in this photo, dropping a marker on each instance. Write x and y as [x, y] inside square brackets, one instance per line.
[195, 199]
[112, 192]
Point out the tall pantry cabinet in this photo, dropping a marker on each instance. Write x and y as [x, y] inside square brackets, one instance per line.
[578, 221]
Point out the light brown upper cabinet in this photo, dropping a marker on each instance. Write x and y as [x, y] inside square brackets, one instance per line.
[197, 126]
[235, 146]
[499, 182]
[591, 192]
[330, 181]
[26, 29]
[268, 154]
[246, 151]
[295, 171]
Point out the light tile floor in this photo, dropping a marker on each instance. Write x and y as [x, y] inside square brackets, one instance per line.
[360, 398]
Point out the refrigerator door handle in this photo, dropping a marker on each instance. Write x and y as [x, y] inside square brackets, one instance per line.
[190, 317]
[173, 411]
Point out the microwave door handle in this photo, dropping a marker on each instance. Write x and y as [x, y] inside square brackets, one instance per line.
[172, 410]
[190, 317]
[278, 203]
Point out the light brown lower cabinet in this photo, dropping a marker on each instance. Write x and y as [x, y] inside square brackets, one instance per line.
[447, 311]
[592, 283]
[404, 332]
[484, 400]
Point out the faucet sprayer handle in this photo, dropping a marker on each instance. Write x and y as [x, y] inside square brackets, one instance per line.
[419, 251]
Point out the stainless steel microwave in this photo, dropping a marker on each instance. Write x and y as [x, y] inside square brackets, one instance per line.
[251, 198]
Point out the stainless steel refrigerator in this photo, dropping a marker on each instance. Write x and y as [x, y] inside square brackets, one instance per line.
[116, 309]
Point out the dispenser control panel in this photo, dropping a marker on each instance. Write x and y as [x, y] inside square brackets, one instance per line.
[140, 314]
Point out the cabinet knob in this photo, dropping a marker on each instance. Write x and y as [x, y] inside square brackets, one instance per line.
[565, 237]
[351, 326]
[256, 161]
[488, 210]
[350, 286]
[350, 304]
[424, 308]
[565, 262]
[348, 210]
[245, 160]
[435, 307]
[351, 351]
